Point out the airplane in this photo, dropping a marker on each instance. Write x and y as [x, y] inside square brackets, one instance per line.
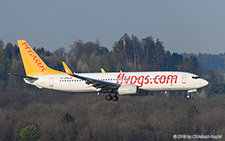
[114, 83]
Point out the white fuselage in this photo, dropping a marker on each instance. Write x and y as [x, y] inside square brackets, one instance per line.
[149, 81]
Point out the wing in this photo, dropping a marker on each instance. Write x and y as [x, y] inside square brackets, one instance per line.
[94, 82]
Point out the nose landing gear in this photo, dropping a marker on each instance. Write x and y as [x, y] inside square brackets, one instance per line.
[188, 96]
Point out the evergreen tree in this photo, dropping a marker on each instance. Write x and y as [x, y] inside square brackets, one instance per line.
[1, 44]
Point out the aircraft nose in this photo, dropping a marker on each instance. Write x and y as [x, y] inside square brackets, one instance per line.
[205, 82]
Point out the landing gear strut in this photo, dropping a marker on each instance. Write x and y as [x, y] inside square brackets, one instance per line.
[189, 92]
[110, 97]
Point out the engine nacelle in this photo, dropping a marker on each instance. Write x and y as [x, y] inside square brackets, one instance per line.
[128, 90]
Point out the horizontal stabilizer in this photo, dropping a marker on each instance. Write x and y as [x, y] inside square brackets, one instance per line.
[23, 76]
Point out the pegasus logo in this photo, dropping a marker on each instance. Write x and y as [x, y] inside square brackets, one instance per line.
[34, 57]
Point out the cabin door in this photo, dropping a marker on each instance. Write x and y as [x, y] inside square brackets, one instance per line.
[184, 78]
[51, 82]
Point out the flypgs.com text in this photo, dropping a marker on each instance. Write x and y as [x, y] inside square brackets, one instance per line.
[146, 79]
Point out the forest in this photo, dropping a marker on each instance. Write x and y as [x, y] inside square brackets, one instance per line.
[29, 113]
[210, 61]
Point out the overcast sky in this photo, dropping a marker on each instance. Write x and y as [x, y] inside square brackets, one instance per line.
[191, 26]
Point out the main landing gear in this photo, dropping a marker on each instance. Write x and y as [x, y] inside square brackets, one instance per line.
[110, 97]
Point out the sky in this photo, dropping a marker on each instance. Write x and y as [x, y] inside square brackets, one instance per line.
[185, 26]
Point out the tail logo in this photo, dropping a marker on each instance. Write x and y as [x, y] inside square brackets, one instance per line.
[34, 57]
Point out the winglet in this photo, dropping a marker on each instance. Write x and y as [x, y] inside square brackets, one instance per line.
[68, 71]
[102, 70]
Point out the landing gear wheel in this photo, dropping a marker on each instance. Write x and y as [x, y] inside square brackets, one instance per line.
[188, 96]
[115, 98]
[109, 97]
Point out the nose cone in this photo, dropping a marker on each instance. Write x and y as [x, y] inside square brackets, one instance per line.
[204, 83]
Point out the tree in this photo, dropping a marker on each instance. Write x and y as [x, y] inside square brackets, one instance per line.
[148, 45]
[68, 118]
[190, 64]
[176, 60]
[159, 59]
[68, 129]
[1, 44]
[138, 52]
[216, 84]
[31, 132]
[60, 52]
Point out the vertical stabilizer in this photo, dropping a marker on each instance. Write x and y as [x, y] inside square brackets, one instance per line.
[33, 64]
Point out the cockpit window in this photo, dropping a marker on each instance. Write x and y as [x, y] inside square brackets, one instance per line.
[195, 77]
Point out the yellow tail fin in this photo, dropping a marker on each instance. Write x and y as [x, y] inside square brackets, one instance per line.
[33, 64]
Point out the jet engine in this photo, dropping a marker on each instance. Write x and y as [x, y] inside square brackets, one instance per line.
[128, 90]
